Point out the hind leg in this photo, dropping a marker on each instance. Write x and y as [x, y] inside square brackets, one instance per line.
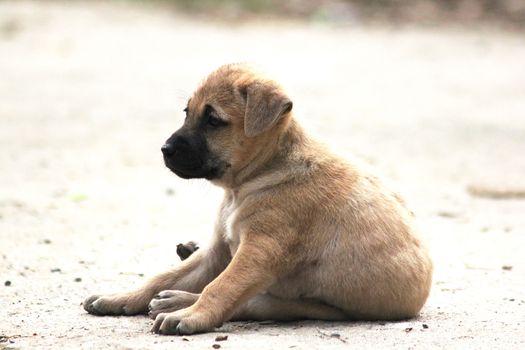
[192, 275]
[267, 307]
[259, 308]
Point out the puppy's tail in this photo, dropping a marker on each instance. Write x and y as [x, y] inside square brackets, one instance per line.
[185, 250]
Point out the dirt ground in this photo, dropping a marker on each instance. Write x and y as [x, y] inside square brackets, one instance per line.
[89, 91]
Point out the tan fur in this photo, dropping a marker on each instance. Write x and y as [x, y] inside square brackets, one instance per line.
[301, 233]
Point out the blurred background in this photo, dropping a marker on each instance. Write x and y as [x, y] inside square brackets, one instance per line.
[430, 93]
[506, 13]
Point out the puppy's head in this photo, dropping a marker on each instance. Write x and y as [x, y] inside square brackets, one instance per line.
[230, 118]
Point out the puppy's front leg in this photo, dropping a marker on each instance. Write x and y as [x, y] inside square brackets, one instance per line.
[192, 275]
[254, 268]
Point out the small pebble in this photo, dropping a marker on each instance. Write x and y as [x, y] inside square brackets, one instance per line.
[56, 270]
[425, 326]
[47, 241]
[7, 283]
[409, 329]
[221, 338]
[506, 267]
[78, 279]
[216, 346]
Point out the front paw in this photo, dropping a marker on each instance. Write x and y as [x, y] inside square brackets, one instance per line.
[183, 322]
[120, 304]
[169, 301]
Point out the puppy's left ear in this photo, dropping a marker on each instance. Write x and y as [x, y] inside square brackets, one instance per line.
[266, 103]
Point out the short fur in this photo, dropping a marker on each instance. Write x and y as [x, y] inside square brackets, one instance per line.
[301, 233]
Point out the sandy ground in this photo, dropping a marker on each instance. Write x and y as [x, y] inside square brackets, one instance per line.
[89, 92]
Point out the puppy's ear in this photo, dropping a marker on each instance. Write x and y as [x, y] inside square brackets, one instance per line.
[266, 103]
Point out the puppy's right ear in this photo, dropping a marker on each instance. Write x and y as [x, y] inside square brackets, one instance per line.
[266, 103]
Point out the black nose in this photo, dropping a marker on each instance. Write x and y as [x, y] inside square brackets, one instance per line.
[168, 149]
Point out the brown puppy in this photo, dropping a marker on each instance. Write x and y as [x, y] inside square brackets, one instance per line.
[301, 233]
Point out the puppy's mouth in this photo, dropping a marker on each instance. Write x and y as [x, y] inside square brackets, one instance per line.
[197, 170]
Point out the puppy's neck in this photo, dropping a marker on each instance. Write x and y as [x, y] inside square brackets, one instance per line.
[270, 159]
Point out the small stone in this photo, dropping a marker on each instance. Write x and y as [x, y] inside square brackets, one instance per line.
[506, 267]
[335, 335]
[56, 270]
[425, 326]
[221, 338]
[409, 329]
[216, 346]
[47, 241]
[78, 279]
[7, 283]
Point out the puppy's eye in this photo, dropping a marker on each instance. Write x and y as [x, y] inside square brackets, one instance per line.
[212, 121]
[185, 110]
